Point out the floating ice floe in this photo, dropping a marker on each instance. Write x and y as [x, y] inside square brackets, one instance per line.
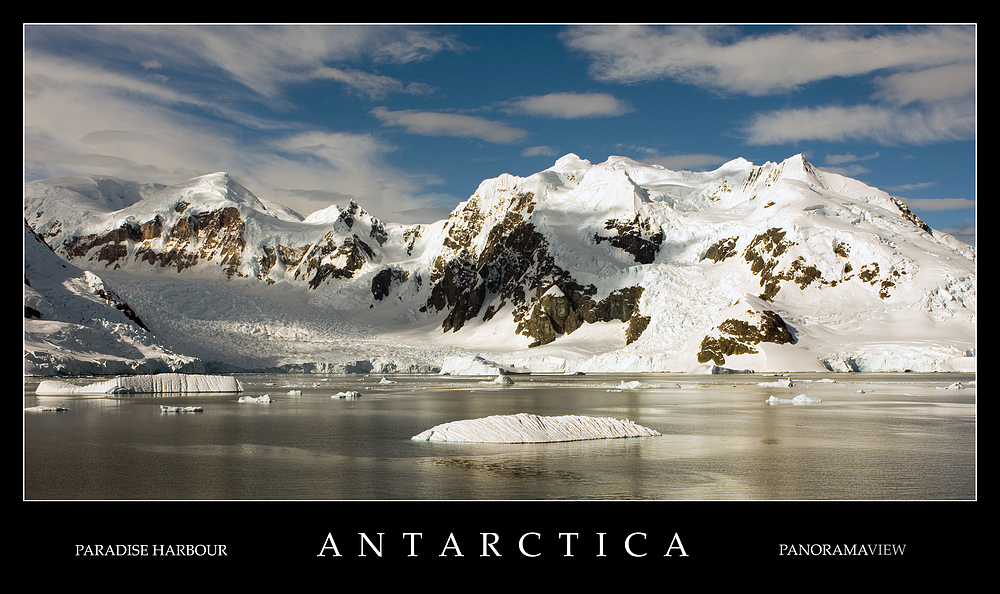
[45, 409]
[179, 409]
[782, 383]
[347, 394]
[624, 385]
[146, 384]
[295, 392]
[529, 428]
[259, 399]
[800, 399]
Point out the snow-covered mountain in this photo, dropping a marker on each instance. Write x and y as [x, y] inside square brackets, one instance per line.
[619, 266]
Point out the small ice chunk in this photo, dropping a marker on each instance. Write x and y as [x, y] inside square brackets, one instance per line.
[800, 399]
[782, 383]
[42, 408]
[624, 385]
[259, 399]
[179, 409]
[501, 380]
[348, 394]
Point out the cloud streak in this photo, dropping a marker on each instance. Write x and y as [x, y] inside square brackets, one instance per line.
[923, 78]
[939, 123]
[570, 105]
[723, 59]
[428, 123]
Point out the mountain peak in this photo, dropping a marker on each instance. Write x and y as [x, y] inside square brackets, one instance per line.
[578, 267]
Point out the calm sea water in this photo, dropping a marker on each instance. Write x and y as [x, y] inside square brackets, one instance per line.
[872, 437]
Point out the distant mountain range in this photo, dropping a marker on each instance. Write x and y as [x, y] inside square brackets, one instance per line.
[614, 267]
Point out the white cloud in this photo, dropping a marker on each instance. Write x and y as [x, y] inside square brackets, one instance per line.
[538, 151]
[417, 45]
[848, 158]
[149, 124]
[429, 123]
[940, 123]
[571, 105]
[373, 86]
[936, 204]
[930, 70]
[722, 59]
[944, 83]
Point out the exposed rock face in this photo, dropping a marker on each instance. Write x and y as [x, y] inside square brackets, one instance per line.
[739, 336]
[767, 256]
[385, 279]
[515, 268]
[638, 236]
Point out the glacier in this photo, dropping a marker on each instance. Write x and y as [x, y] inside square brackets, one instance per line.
[530, 428]
[615, 267]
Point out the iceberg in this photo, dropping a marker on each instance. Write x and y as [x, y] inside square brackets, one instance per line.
[782, 383]
[800, 399]
[180, 409]
[259, 399]
[146, 384]
[42, 408]
[529, 428]
[624, 385]
[501, 380]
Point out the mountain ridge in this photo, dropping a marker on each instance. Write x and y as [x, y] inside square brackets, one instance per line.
[579, 267]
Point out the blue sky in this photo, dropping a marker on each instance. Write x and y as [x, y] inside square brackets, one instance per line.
[408, 119]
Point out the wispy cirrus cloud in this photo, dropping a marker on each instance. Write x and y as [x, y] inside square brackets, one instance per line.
[430, 123]
[928, 70]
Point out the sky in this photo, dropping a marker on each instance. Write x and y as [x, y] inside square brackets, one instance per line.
[408, 119]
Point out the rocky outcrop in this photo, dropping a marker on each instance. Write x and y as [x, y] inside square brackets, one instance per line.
[638, 236]
[741, 335]
[515, 271]
[555, 313]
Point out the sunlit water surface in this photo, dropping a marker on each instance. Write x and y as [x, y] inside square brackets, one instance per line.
[871, 437]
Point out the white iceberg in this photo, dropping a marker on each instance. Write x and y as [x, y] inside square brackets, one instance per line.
[501, 380]
[41, 408]
[179, 409]
[800, 399]
[529, 428]
[146, 384]
[624, 386]
[351, 394]
[259, 399]
[782, 383]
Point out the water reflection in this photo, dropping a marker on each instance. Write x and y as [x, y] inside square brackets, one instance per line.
[868, 437]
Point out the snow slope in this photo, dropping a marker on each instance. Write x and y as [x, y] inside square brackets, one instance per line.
[618, 266]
